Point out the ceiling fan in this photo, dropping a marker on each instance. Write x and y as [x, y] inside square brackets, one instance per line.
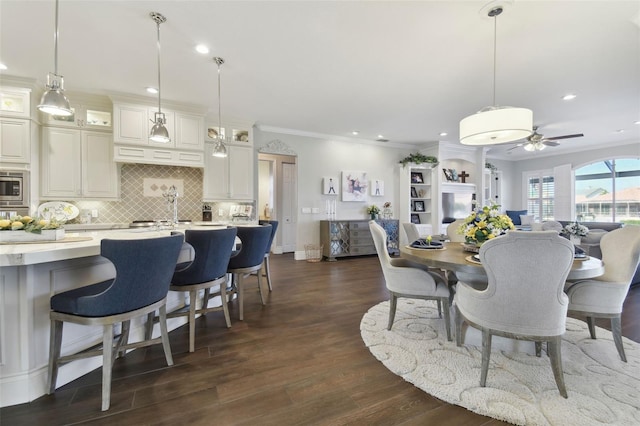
[538, 142]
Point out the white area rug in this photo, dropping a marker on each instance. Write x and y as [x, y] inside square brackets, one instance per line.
[602, 389]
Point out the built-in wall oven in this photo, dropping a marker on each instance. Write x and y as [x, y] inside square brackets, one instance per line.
[14, 190]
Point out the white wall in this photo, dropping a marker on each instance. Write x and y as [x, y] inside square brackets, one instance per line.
[329, 157]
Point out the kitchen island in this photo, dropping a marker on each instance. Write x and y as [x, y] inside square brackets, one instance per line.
[29, 275]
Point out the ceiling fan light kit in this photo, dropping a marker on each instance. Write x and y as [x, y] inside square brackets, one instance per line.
[496, 125]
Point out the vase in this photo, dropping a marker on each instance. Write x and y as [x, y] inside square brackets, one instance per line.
[374, 216]
[575, 239]
[471, 247]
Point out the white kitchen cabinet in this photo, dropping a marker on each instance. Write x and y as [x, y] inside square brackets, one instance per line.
[130, 124]
[229, 178]
[86, 116]
[189, 131]
[15, 140]
[78, 164]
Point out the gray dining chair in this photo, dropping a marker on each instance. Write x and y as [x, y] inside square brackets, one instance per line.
[603, 297]
[144, 269]
[524, 298]
[404, 278]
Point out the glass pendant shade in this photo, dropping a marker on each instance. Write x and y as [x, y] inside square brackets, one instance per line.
[496, 125]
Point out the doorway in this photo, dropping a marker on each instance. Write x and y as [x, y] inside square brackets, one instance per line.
[278, 197]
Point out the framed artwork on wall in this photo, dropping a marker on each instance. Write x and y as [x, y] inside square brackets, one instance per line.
[330, 185]
[377, 187]
[415, 219]
[354, 186]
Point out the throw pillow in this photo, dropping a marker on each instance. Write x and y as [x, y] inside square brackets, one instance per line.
[514, 215]
[526, 219]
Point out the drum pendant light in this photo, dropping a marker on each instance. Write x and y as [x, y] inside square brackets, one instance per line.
[54, 101]
[159, 132]
[219, 149]
[496, 124]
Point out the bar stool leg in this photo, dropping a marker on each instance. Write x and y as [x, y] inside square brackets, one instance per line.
[192, 320]
[165, 335]
[55, 342]
[267, 268]
[107, 354]
[224, 300]
[240, 285]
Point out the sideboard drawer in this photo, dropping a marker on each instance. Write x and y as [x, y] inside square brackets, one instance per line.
[356, 250]
[361, 241]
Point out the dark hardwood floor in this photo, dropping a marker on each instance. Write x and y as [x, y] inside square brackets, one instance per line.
[297, 360]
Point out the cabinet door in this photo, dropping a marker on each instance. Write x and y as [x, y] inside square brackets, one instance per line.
[216, 176]
[15, 143]
[60, 163]
[189, 131]
[240, 172]
[130, 124]
[99, 171]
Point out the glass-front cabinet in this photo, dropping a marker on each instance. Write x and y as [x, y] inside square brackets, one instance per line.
[85, 116]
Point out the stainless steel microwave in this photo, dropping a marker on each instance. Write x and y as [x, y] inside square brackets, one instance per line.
[14, 188]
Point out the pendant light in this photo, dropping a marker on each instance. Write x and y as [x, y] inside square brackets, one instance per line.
[496, 124]
[219, 149]
[54, 101]
[159, 132]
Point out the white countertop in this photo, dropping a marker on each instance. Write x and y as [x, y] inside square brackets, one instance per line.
[30, 254]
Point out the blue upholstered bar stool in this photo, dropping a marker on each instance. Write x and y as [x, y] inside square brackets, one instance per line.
[266, 266]
[207, 271]
[143, 273]
[249, 260]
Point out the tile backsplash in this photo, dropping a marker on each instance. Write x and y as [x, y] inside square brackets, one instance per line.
[141, 198]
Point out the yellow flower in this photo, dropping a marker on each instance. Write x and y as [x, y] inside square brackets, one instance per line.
[5, 223]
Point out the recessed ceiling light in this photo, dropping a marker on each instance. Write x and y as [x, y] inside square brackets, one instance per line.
[3, 66]
[444, 134]
[380, 137]
[620, 131]
[201, 48]
[355, 132]
[568, 97]
[636, 122]
[152, 90]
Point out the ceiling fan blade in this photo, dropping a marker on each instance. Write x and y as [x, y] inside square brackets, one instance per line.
[550, 143]
[555, 138]
[517, 146]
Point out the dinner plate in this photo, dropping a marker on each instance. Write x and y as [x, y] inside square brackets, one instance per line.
[58, 210]
[422, 245]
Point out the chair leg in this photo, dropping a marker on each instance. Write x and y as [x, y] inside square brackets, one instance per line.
[616, 330]
[193, 294]
[486, 354]
[124, 337]
[393, 301]
[164, 333]
[149, 326]
[107, 355]
[458, 321]
[447, 318]
[554, 346]
[225, 306]
[240, 286]
[267, 268]
[205, 298]
[439, 302]
[55, 342]
[592, 327]
[260, 288]
[538, 349]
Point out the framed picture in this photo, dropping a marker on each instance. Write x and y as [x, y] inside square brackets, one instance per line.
[330, 185]
[447, 174]
[415, 219]
[418, 206]
[414, 193]
[354, 186]
[377, 187]
[416, 177]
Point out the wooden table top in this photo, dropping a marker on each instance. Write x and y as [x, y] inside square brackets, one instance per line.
[453, 258]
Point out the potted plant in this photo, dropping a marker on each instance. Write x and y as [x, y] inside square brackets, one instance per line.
[418, 158]
[373, 211]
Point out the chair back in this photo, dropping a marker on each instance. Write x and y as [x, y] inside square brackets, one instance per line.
[143, 274]
[213, 248]
[452, 231]
[620, 254]
[274, 228]
[526, 273]
[412, 231]
[254, 242]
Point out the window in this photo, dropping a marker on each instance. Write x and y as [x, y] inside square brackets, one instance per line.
[609, 191]
[540, 191]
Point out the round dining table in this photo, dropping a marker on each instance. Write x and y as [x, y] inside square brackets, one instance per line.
[453, 257]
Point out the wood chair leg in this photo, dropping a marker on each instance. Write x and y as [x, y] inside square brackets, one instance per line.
[439, 302]
[107, 355]
[458, 322]
[164, 333]
[205, 298]
[592, 327]
[554, 347]
[486, 354]
[149, 326]
[616, 330]
[447, 317]
[393, 301]
[124, 337]
[260, 288]
[538, 349]
[193, 294]
[240, 286]
[55, 342]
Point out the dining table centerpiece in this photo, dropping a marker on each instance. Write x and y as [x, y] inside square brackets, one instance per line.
[482, 225]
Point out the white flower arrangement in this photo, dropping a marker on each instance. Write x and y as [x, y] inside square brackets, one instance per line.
[576, 229]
